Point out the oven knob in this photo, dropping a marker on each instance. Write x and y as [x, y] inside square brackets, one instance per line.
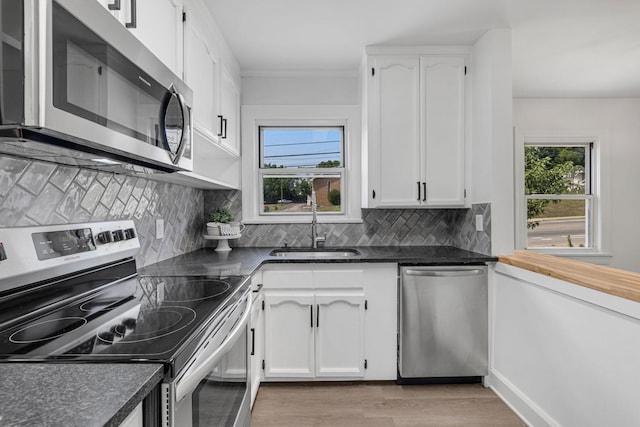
[129, 233]
[118, 235]
[105, 237]
[129, 323]
[107, 337]
[118, 331]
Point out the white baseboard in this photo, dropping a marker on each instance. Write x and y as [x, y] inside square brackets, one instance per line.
[519, 402]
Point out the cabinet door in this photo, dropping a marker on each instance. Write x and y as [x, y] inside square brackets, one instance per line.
[158, 24]
[289, 334]
[394, 118]
[230, 111]
[256, 345]
[339, 334]
[201, 73]
[443, 100]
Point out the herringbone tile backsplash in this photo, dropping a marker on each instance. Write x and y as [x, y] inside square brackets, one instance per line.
[39, 193]
[379, 227]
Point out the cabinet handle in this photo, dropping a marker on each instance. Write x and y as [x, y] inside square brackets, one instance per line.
[318, 316]
[224, 127]
[253, 341]
[115, 5]
[418, 190]
[133, 22]
[311, 314]
[424, 191]
[220, 127]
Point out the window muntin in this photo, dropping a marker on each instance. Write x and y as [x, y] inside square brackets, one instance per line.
[559, 196]
[296, 161]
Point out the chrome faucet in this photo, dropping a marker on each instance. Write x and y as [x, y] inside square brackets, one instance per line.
[316, 241]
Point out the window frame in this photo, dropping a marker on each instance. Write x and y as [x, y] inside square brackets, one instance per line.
[255, 117]
[598, 225]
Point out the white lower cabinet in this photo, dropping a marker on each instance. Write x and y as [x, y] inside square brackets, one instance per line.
[320, 323]
[256, 339]
[289, 334]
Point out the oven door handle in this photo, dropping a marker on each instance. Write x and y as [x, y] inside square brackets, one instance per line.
[198, 371]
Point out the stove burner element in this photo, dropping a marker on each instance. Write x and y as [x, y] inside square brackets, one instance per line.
[151, 324]
[46, 330]
[191, 290]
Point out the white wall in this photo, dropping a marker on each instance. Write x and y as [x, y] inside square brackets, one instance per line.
[616, 122]
[562, 354]
[492, 135]
[300, 89]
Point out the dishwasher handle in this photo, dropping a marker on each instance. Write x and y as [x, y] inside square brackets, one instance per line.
[445, 273]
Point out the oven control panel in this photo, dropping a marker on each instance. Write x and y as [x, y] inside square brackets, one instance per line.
[31, 254]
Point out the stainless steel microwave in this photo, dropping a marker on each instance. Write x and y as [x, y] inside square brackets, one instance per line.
[76, 87]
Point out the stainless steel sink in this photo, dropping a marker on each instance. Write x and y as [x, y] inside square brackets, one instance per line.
[315, 253]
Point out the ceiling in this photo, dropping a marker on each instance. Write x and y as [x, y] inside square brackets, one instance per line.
[561, 48]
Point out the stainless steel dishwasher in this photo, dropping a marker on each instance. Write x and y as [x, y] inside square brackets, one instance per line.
[443, 325]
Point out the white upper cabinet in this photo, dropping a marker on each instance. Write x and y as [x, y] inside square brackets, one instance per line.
[416, 129]
[230, 113]
[442, 93]
[157, 23]
[202, 75]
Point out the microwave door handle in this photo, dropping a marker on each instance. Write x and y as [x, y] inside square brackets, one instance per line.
[186, 125]
[197, 372]
[133, 20]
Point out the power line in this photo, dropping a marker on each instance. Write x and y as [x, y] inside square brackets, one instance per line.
[267, 145]
[301, 155]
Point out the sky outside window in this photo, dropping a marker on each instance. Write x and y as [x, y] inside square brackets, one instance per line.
[301, 147]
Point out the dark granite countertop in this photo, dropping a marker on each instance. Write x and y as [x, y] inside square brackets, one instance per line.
[79, 394]
[244, 261]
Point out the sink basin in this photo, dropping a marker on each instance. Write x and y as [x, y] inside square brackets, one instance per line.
[314, 253]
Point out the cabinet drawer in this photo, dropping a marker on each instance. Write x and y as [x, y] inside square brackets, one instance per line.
[338, 278]
[287, 279]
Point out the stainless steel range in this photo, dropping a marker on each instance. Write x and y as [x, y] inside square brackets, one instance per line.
[71, 293]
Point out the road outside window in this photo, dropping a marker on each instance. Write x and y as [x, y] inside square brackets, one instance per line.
[296, 161]
[559, 196]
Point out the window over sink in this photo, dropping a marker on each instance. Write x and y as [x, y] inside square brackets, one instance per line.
[296, 161]
[290, 152]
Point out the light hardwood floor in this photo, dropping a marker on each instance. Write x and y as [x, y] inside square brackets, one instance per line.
[379, 404]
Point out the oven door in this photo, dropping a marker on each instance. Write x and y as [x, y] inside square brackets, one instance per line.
[214, 389]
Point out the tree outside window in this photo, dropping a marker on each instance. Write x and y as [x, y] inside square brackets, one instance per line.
[559, 196]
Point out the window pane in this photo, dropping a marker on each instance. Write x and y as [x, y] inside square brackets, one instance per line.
[292, 194]
[555, 170]
[297, 147]
[557, 223]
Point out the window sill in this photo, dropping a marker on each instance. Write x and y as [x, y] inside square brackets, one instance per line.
[290, 220]
[590, 256]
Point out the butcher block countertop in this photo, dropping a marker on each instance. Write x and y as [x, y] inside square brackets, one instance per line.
[621, 283]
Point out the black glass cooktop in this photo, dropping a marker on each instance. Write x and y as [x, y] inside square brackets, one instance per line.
[140, 318]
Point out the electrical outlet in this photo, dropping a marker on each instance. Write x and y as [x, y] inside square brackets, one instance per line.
[160, 228]
[479, 223]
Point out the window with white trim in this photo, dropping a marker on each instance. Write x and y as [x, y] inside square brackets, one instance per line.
[297, 161]
[288, 151]
[559, 196]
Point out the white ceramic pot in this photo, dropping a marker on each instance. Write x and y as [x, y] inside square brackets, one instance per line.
[213, 228]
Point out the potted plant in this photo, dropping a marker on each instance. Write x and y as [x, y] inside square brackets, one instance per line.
[223, 216]
[218, 217]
